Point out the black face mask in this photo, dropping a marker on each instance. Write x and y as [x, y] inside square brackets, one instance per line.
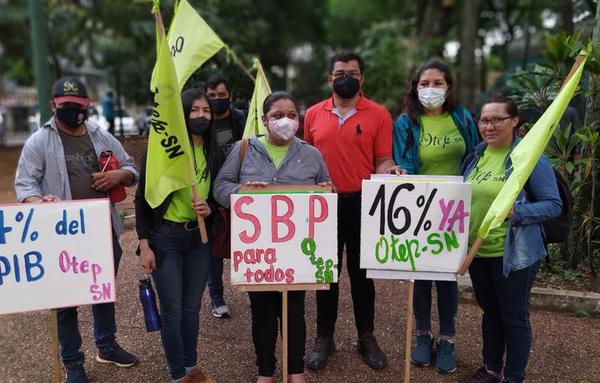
[346, 86]
[71, 117]
[198, 125]
[219, 105]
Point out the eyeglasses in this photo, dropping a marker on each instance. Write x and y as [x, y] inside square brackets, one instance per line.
[340, 73]
[495, 121]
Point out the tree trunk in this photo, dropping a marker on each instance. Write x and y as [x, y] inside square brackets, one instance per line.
[567, 16]
[469, 21]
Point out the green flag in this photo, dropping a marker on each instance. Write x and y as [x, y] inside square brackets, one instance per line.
[191, 42]
[254, 125]
[169, 162]
[528, 152]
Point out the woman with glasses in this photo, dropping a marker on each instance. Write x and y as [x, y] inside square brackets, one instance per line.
[432, 137]
[508, 261]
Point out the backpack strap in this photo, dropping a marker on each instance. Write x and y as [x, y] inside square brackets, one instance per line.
[243, 150]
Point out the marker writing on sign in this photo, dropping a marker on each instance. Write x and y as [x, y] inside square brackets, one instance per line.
[324, 273]
[257, 256]
[395, 250]
[70, 264]
[30, 264]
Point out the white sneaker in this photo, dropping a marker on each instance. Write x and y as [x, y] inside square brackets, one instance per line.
[221, 311]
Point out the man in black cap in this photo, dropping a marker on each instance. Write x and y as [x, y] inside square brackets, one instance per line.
[229, 124]
[60, 162]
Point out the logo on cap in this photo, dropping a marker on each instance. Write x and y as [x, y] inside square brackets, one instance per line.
[70, 87]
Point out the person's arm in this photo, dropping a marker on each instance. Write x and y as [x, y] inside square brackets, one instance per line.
[228, 179]
[30, 170]
[143, 211]
[129, 176]
[545, 202]
[400, 142]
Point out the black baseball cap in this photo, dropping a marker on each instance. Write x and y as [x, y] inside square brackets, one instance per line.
[69, 89]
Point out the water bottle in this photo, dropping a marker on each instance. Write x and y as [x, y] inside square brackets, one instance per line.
[151, 316]
[109, 162]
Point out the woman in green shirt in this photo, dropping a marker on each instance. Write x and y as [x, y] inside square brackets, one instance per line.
[171, 248]
[506, 264]
[279, 157]
[432, 137]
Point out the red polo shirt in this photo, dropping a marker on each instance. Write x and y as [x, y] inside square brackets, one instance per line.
[350, 149]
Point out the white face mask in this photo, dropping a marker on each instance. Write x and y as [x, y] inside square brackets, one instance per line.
[284, 128]
[432, 98]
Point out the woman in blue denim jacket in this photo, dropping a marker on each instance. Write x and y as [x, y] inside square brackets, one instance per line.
[506, 264]
[432, 137]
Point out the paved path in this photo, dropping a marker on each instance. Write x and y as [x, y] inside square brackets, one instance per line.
[566, 348]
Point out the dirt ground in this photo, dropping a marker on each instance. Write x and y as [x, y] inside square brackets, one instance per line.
[565, 349]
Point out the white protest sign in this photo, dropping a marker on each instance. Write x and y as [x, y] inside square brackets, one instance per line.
[283, 238]
[55, 255]
[414, 226]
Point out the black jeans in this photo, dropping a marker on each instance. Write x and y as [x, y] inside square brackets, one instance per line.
[505, 324]
[447, 303]
[266, 309]
[104, 324]
[362, 288]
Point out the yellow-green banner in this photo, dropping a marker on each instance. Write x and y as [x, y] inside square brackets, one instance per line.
[169, 163]
[191, 42]
[254, 125]
[528, 152]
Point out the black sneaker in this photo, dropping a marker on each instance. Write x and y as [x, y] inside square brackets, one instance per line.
[483, 375]
[117, 355]
[317, 357]
[368, 348]
[76, 374]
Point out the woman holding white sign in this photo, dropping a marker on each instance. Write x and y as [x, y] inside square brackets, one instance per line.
[276, 158]
[506, 264]
[171, 248]
[432, 137]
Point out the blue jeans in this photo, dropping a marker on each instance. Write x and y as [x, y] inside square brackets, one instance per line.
[447, 303]
[104, 324]
[180, 281]
[505, 324]
[215, 282]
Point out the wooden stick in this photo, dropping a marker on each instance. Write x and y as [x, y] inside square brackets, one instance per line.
[409, 330]
[55, 347]
[471, 255]
[574, 68]
[201, 224]
[284, 334]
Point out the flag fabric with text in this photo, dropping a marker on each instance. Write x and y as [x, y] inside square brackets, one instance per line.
[169, 162]
[191, 42]
[528, 152]
[254, 125]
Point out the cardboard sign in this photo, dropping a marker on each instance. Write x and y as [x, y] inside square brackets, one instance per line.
[411, 225]
[55, 255]
[283, 238]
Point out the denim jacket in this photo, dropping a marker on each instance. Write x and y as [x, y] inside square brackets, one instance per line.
[524, 242]
[302, 165]
[407, 135]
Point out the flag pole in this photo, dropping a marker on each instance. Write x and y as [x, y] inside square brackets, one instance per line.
[471, 255]
[479, 240]
[201, 223]
[239, 63]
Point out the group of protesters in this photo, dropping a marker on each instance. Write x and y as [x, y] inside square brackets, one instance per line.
[346, 138]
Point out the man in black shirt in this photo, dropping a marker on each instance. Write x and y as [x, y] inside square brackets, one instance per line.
[229, 123]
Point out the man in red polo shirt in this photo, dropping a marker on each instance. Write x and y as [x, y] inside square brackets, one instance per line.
[354, 134]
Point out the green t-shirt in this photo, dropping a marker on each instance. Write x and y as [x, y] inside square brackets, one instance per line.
[486, 179]
[442, 147]
[277, 153]
[180, 208]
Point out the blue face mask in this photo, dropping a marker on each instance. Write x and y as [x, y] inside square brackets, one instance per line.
[71, 117]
